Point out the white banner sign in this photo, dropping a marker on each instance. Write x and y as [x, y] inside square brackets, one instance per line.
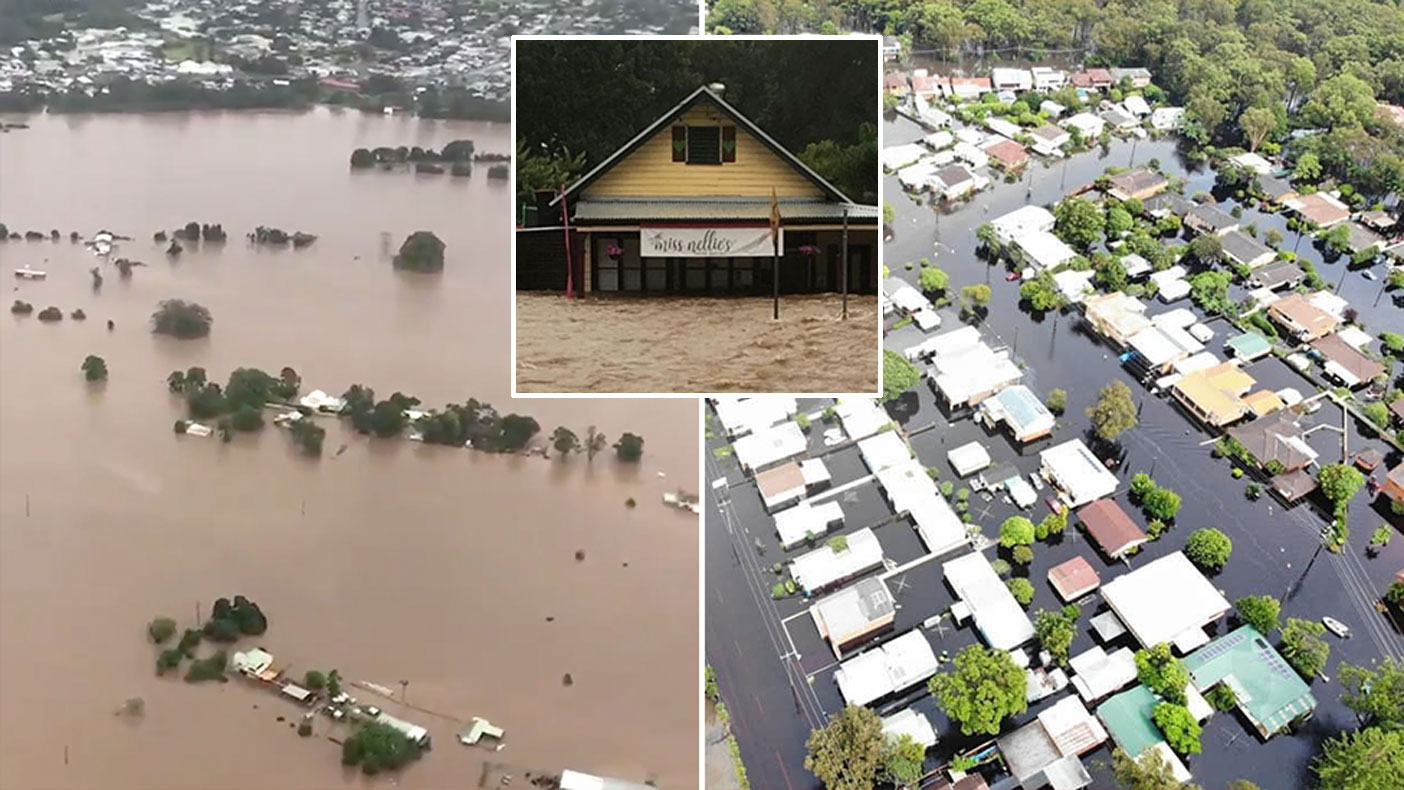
[707, 242]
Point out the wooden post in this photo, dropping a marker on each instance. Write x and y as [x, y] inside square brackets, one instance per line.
[570, 264]
[845, 262]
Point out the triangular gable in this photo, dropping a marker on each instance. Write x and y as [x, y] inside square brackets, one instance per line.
[659, 126]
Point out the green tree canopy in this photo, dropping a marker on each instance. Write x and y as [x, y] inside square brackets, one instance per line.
[984, 687]
[1114, 413]
[1375, 693]
[94, 368]
[933, 279]
[1367, 759]
[421, 251]
[629, 448]
[1162, 673]
[1180, 728]
[1259, 611]
[849, 751]
[1078, 222]
[1209, 548]
[1304, 648]
[898, 375]
[1016, 531]
[1056, 631]
[181, 319]
[1340, 482]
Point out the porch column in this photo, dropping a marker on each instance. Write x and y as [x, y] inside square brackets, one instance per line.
[585, 239]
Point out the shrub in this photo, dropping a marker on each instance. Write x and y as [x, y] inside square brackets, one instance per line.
[1016, 531]
[1023, 555]
[1022, 590]
[161, 629]
[181, 319]
[1209, 548]
[1222, 698]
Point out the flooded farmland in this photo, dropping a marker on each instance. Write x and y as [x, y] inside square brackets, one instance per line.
[696, 344]
[392, 561]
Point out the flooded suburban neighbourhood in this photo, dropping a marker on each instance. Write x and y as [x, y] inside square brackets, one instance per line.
[866, 559]
[442, 584]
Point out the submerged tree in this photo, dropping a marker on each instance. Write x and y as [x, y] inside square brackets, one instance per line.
[629, 448]
[94, 368]
[848, 752]
[565, 441]
[422, 251]
[984, 687]
[1114, 413]
[181, 319]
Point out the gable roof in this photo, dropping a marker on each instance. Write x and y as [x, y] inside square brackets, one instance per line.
[704, 93]
[1110, 527]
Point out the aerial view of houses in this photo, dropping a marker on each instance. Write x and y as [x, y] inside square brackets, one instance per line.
[1125, 514]
[432, 57]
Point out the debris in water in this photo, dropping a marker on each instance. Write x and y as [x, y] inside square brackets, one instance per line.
[580, 555]
[567, 680]
[132, 708]
[630, 503]
[550, 619]
[626, 564]
[282, 718]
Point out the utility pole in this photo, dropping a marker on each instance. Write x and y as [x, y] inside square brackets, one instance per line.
[844, 275]
[404, 690]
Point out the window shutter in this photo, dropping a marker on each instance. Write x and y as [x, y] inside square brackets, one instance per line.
[728, 144]
[679, 143]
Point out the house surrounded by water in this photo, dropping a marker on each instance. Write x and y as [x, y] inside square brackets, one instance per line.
[685, 208]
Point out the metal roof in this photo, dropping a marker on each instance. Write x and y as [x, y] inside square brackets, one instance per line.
[1269, 692]
[676, 209]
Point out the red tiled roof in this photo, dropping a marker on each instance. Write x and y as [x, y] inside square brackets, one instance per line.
[1074, 578]
[1008, 152]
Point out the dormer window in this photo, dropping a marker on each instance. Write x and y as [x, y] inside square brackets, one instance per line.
[704, 145]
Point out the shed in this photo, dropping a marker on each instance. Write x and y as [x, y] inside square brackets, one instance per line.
[968, 459]
[765, 448]
[1074, 578]
[837, 561]
[1248, 346]
[911, 723]
[805, 521]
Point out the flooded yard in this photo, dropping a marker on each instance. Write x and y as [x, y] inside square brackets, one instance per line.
[687, 344]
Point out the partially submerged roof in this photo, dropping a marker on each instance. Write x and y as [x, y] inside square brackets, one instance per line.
[1074, 578]
[1128, 720]
[1276, 437]
[998, 616]
[1077, 472]
[1139, 598]
[1249, 345]
[1138, 180]
[1341, 353]
[853, 610]
[897, 665]
[1270, 693]
[911, 723]
[704, 94]
[1110, 527]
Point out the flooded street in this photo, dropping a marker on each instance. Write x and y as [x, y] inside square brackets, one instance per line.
[696, 344]
[391, 561]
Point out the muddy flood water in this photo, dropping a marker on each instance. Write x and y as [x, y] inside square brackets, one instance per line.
[391, 561]
[696, 344]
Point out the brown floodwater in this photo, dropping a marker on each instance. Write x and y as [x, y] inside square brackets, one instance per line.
[390, 561]
[668, 344]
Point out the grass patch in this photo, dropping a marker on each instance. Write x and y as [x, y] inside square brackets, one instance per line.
[723, 452]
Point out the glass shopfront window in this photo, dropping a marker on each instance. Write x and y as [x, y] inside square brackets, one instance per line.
[620, 272]
[719, 273]
[743, 274]
[695, 274]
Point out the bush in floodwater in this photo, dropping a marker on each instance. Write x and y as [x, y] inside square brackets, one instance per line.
[629, 448]
[376, 747]
[421, 251]
[305, 728]
[169, 659]
[21, 307]
[51, 313]
[308, 435]
[211, 668]
[161, 629]
[94, 368]
[181, 319]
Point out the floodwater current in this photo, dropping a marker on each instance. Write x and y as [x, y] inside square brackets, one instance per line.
[452, 571]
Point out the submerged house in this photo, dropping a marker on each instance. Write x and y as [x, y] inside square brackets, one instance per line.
[1269, 694]
[684, 208]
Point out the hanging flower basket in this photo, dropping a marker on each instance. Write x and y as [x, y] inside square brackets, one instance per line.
[614, 251]
[809, 250]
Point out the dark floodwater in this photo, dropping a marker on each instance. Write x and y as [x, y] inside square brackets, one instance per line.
[1272, 549]
[391, 561]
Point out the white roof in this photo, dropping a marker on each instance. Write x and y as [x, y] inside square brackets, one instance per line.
[975, 372]
[1074, 284]
[1328, 302]
[253, 661]
[897, 157]
[938, 525]
[971, 154]
[918, 176]
[969, 134]
[1140, 601]
[909, 299]
[814, 471]
[897, 665]
[1155, 347]
[884, 449]
[1354, 337]
[771, 445]
[926, 319]
[1135, 265]
[1000, 618]
[797, 523]
[1044, 250]
[939, 140]
[853, 611]
[823, 567]
[968, 459]
[1076, 471]
[1052, 108]
[316, 399]
[1003, 127]
[906, 485]
[1201, 361]
[1073, 729]
[954, 341]
[861, 417]
[910, 723]
[1027, 219]
[1167, 117]
[1021, 492]
[1086, 123]
[932, 115]
[740, 416]
[1180, 318]
[1018, 406]
[1136, 105]
[1253, 162]
[1172, 290]
[1097, 673]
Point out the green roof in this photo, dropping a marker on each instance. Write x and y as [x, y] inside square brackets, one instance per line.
[1249, 345]
[1127, 717]
[1270, 693]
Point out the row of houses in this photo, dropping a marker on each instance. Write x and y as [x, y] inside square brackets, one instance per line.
[1014, 80]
